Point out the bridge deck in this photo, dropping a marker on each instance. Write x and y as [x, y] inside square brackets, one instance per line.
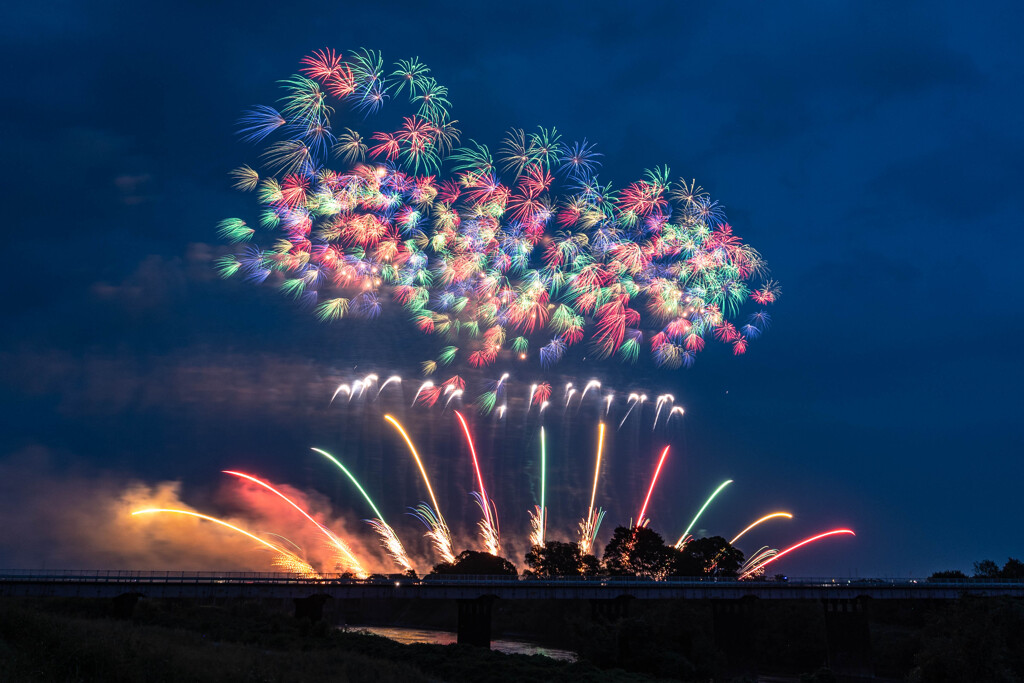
[23, 583]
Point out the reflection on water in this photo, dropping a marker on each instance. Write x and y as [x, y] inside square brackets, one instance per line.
[417, 635]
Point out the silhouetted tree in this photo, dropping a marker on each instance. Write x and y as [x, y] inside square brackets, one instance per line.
[555, 558]
[638, 551]
[986, 569]
[1013, 569]
[474, 562]
[950, 574]
[707, 556]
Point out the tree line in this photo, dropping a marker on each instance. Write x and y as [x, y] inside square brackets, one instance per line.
[632, 551]
[987, 569]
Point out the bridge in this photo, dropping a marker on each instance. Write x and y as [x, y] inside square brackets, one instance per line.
[162, 584]
[845, 602]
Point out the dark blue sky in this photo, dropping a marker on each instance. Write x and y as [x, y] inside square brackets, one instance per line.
[871, 152]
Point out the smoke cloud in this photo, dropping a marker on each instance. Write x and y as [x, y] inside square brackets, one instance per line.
[59, 517]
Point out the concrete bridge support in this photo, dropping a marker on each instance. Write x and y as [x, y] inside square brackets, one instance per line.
[848, 634]
[475, 621]
[123, 606]
[311, 608]
[612, 609]
[734, 633]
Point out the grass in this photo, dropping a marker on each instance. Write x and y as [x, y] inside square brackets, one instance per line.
[59, 640]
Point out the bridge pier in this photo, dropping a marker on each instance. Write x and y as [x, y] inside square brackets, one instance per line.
[475, 621]
[311, 607]
[123, 605]
[734, 635]
[848, 636]
[612, 609]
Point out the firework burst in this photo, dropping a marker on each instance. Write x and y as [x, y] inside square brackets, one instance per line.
[513, 256]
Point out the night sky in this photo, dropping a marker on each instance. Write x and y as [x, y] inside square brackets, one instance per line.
[871, 152]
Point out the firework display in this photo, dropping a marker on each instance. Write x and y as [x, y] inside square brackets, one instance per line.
[520, 256]
[523, 253]
[437, 530]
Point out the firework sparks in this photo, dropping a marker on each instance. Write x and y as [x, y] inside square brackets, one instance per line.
[423, 387]
[341, 387]
[662, 400]
[285, 559]
[452, 395]
[393, 379]
[592, 384]
[756, 559]
[632, 401]
[540, 393]
[348, 560]
[489, 525]
[431, 517]
[760, 567]
[682, 539]
[654, 480]
[759, 521]
[437, 531]
[591, 524]
[588, 527]
[388, 538]
[538, 518]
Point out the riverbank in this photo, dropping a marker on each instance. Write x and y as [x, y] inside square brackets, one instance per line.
[409, 636]
[52, 639]
[62, 640]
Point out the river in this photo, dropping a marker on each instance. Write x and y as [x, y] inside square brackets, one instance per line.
[419, 635]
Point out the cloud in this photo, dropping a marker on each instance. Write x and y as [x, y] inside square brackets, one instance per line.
[55, 517]
[967, 178]
[862, 278]
[134, 188]
[154, 280]
[240, 385]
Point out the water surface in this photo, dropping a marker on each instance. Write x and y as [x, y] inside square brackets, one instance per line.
[408, 636]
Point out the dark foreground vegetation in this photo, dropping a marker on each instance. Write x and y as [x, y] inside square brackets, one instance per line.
[971, 639]
[77, 640]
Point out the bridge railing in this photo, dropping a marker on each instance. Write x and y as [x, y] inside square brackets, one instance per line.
[136, 576]
[207, 577]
